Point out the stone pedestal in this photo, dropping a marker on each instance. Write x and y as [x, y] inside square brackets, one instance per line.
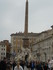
[25, 42]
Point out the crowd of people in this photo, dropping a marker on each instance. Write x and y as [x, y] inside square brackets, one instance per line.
[21, 64]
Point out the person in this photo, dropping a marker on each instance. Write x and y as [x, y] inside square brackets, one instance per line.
[28, 65]
[3, 64]
[8, 67]
[18, 67]
[46, 66]
[32, 65]
[22, 63]
[39, 66]
[13, 64]
[51, 64]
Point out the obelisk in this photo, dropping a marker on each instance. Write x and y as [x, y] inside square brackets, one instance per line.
[25, 39]
[26, 19]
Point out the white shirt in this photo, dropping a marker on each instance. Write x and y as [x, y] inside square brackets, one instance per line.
[50, 64]
[20, 68]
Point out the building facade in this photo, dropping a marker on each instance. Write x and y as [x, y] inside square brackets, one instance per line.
[2, 50]
[41, 44]
[43, 47]
[5, 47]
[17, 41]
[8, 48]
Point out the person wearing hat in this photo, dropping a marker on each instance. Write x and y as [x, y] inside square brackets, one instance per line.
[18, 67]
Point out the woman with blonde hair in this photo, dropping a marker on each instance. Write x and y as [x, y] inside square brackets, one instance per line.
[18, 67]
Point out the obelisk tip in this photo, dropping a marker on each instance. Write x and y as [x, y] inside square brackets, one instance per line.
[26, 0]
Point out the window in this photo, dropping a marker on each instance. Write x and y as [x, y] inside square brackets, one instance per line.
[2, 53]
[2, 45]
[2, 49]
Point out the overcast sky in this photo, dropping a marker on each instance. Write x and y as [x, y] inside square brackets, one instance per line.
[12, 16]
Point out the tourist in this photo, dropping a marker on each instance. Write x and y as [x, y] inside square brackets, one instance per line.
[46, 66]
[13, 65]
[22, 63]
[18, 67]
[3, 64]
[51, 64]
[32, 65]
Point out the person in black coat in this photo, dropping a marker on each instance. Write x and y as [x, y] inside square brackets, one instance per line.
[14, 64]
[3, 64]
[39, 66]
